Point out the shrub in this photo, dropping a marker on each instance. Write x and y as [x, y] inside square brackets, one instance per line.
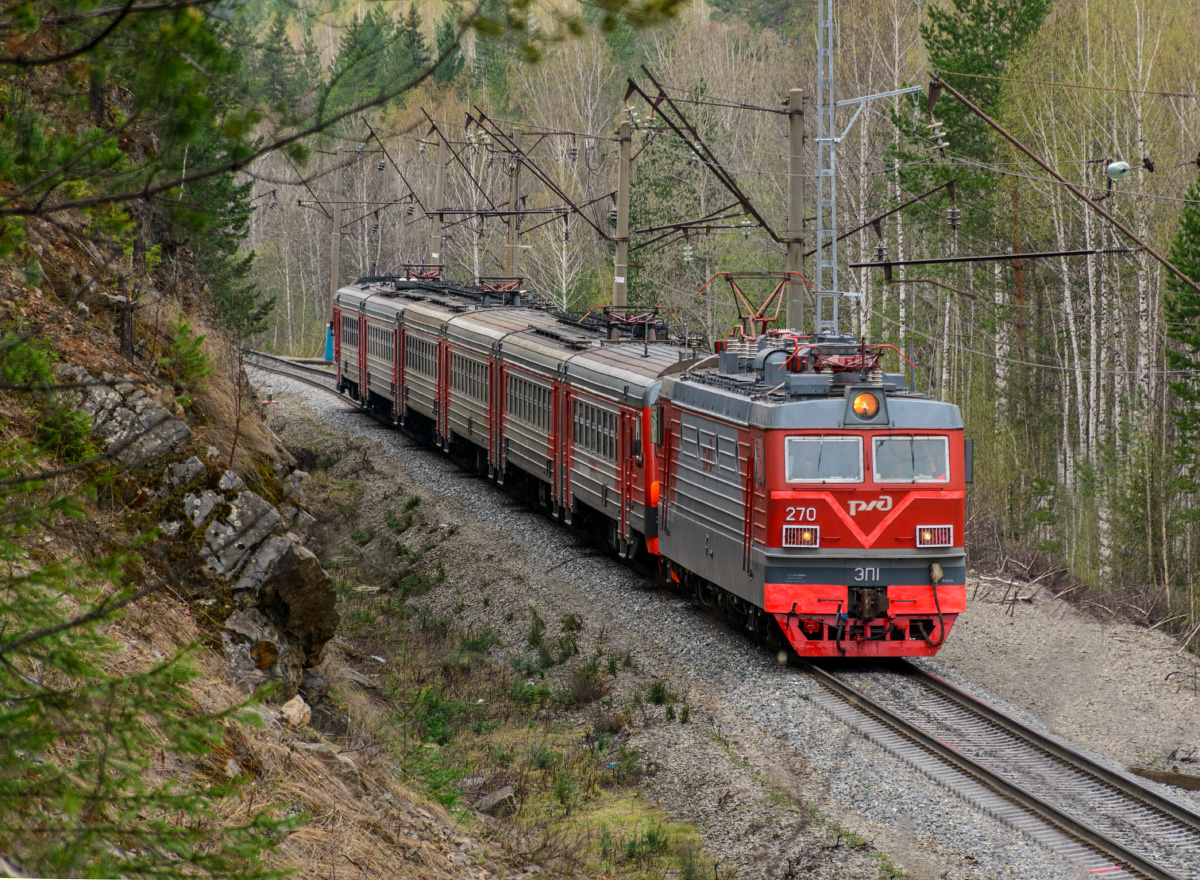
[536, 637]
[565, 789]
[472, 650]
[571, 622]
[658, 694]
[544, 758]
[185, 361]
[566, 647]
[586, 687]
[65, 433]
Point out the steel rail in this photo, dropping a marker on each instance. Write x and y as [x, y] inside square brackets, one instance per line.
[1064, 753]
[293, 369]
[1063, 822]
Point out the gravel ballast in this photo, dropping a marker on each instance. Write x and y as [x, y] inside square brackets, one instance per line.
[758, 757]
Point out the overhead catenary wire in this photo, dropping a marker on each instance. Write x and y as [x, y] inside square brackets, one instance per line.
[1119, 192]
[1063, 85]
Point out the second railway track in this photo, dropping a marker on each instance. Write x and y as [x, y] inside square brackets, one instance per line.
[1110, 825]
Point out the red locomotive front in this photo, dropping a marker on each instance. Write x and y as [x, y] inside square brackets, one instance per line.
[864, 533]
[801, 483]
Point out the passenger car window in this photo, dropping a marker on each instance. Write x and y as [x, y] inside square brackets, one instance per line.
[911, 460]
[824, 459]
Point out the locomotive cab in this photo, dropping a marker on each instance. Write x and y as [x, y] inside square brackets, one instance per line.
[850, 493]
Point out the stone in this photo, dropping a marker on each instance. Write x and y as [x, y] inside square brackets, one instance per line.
[266, 717]
[299, 594]
[500, 803]
[284, 580]
[229, 542]
[257, 653]
[232, 768]
[197, 507]
[230, 481]
[342, 765]
[295, 712]
[184, 472]
[291, 486]
[355, 676]
[313, 685]
[304, 523]
[170, 529]
[136, 429]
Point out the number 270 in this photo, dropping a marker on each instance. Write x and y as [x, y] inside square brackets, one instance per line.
[801, 514]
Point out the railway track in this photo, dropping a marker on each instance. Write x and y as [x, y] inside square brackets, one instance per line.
[301, 372]
[1107, 823]
[1110, 825]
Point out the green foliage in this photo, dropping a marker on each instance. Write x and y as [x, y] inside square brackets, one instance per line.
[658, 693]
[473, 649]
[1182, 308]
[536, 637]
[26, 362]
[649, 842]
[83, 747]
[64, 432]
[565, 788]
[436, 715]
[448, 48]
[185, 361]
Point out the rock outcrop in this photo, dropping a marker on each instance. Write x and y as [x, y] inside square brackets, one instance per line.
[135, 427]
[276, 603]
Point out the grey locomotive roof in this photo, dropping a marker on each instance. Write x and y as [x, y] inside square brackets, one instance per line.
[915, 412]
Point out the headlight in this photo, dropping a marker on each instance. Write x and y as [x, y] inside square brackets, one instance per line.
[801, 536]
[865, 405]
[935, 536]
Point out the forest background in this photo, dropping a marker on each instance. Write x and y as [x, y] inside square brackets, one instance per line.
[1073, 373]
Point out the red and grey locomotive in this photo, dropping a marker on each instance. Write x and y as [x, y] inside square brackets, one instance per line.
[787, 477]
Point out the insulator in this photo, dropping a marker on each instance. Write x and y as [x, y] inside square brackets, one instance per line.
[566, 235]
[421, 148]
[362, 146]
[954, 218]
[880, 253]
[612, 216]
[689, 253]
[491, 161]
[374, 228]
[746, 224]
[381, 165]
[574, 152]
[408, 212]
[512, 168]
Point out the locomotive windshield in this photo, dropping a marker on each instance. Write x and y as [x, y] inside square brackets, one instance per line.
[911, 460]
[824, 460]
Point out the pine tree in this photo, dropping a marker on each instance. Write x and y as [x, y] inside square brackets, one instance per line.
[278, 71]
[413, 54]
[985, 38]
[1182, 308]
[448, 48]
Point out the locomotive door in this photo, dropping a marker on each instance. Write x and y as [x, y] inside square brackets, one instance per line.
[568, 446]
[364, 347]
[397, 380]
[625, 472]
